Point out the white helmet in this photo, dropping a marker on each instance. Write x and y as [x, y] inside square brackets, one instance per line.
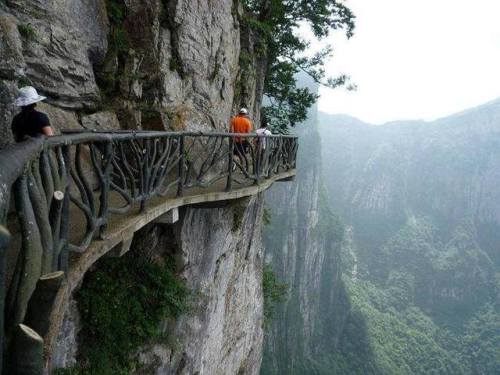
[243, 111]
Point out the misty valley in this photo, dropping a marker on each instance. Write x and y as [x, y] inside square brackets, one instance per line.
[389, 243]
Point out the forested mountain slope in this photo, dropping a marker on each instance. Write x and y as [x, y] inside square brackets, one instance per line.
[421, 204]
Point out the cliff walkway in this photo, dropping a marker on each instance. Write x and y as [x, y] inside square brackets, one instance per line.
[81, 195]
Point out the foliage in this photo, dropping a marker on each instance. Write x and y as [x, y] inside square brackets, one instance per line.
[122, 305]
[267, 216]
[481, 345]
[27, 31]
[107, 74]
[277, 22]
[23, 81]
[382, 339]
[174, 64]
[392, 328]
[274, 292]
[116, 11]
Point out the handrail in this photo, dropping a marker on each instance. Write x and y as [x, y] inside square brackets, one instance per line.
[185, 133]
[80, 179]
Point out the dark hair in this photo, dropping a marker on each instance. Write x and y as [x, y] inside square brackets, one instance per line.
[263, 122]
[28, 107]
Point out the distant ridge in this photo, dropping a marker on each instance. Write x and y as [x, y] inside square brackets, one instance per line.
[487, 113]
[479, 108]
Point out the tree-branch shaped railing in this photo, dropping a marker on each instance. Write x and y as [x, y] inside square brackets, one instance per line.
[66, 188]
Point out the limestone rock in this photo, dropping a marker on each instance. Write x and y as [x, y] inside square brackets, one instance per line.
[8, 92]
[106, 120]
[10, 48]
[62, 41]
[60, 119]
[66, 350]
[223, 334]
[179, 72]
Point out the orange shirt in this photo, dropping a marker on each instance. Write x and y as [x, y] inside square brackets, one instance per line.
[240, 124]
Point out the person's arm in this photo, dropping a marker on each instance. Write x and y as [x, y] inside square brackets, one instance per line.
[47, 130]
[231, 126]
[45, 127]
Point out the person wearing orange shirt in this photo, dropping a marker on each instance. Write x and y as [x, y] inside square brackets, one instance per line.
[241, 124]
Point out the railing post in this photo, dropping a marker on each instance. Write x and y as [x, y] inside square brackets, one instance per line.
[66, 163]
[107, 164]
[230, 164]
[4, 240]
[181, 166]
[258, 157]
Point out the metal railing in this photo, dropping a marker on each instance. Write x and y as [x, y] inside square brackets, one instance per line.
[67, 187]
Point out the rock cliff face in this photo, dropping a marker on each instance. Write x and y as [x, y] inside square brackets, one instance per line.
[303, 244]
[150, 64]
[220, 254]
[218, 251]
[155, 65]
[225, 334]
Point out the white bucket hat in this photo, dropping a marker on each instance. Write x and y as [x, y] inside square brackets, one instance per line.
[243, 111]
[27, 96]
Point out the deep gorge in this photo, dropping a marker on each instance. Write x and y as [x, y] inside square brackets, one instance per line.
[405, 278]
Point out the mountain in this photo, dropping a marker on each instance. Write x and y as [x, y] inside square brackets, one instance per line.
[407, 265]
[421, 201]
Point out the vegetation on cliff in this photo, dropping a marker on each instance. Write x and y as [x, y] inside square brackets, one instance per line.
[285, 51]
[122, 305]
[274, 292]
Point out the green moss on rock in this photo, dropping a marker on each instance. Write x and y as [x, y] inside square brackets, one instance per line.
[122, 305]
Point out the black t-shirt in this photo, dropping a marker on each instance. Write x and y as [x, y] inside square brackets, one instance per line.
[29, 123]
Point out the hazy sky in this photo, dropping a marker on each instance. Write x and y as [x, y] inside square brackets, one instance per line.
[417, 59]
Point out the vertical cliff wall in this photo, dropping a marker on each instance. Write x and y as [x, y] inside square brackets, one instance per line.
[303, 244]
[218, 254]
[132, 64]
[225, 335]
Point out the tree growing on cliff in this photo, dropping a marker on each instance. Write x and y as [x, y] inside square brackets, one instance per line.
[277, 22]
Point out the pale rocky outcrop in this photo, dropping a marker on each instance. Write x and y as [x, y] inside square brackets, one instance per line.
[180, 71]
[222, 256]
[105, 120]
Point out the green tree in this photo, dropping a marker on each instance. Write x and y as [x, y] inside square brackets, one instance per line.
[277, 21]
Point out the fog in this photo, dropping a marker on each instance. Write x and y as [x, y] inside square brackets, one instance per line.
[416, 60]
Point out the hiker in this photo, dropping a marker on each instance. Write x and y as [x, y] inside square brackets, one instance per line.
[29, 122]
[260, 145]
[263, 131]
[241, 124]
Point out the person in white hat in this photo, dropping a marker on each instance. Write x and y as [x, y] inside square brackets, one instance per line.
[29, 122]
